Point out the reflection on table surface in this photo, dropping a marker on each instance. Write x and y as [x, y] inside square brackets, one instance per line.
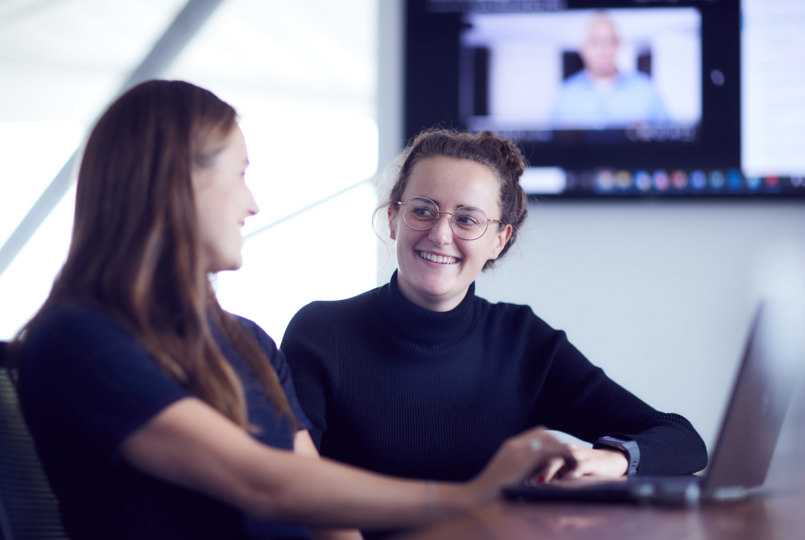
[776, 512]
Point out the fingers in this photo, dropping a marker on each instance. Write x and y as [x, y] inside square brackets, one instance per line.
[552, 470]
[552, 458]
[520, 458]
[554, 455]
[600, 462]
[560, 468]
[547, 472]
[588, 462]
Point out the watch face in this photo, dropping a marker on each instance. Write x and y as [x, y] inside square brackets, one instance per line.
[615, 440]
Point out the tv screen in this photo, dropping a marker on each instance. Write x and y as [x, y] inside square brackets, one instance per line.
[609, 98]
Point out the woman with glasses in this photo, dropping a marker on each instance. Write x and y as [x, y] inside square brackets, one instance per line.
[421, 377]
[158, 415]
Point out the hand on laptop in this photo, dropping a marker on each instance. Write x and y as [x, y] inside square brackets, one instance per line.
[520, 458]
[599, 462]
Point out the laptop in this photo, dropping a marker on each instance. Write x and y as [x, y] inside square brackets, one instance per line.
[752, 422]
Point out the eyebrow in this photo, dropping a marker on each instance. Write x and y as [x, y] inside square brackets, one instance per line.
[462, 205]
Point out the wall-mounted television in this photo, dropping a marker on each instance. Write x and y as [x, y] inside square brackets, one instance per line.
[607, 98]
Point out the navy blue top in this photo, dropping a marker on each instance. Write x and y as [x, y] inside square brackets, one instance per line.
[86, 384]
[403, 390]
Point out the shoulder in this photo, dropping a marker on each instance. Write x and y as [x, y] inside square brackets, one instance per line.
[266, 343]
[498, 307]
[329, 313]
[636, 79]
[509, 312]
[76, 349]
[319, 329]
[256, 331]
[76, 313]
[577, 80]
[71, 325]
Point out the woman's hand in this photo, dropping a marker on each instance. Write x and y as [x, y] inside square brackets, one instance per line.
[520, 458]
[599, 462]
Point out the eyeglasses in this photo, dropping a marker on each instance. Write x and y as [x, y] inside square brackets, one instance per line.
[422, 214]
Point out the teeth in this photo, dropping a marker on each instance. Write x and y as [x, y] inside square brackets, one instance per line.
[438, 258]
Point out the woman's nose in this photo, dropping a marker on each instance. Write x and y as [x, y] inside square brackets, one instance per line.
[252, 204]
[442, 232]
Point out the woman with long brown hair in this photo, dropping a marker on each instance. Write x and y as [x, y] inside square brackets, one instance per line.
[156, 413]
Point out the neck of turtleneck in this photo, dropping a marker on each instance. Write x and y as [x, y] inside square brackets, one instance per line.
[424, 326]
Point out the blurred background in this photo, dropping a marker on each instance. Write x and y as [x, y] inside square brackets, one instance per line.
[303, 77]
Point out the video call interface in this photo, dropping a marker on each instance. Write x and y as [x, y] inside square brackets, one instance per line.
[618, 98]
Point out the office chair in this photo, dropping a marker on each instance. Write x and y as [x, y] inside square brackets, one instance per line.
[28, 508]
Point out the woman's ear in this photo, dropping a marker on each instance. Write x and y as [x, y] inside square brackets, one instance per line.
[392, 228]
[501, 238]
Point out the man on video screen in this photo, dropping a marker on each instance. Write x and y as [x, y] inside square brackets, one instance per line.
[601, 96]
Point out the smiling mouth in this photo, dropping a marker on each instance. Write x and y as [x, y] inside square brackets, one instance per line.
[439, 259]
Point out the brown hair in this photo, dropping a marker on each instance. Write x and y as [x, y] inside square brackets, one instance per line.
[135, 248]
[501, 155]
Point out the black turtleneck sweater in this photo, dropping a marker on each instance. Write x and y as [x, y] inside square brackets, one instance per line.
[402, 390]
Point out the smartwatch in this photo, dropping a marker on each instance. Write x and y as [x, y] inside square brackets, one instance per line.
[627, 446]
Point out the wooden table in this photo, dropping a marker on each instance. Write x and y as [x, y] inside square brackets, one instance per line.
[777, 512]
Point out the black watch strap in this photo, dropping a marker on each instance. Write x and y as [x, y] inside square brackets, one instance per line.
[627, 446]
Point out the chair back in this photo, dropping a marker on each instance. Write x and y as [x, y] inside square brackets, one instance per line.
[28, 508]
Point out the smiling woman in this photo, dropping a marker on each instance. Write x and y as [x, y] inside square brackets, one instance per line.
[425, 357]
[158, 414]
